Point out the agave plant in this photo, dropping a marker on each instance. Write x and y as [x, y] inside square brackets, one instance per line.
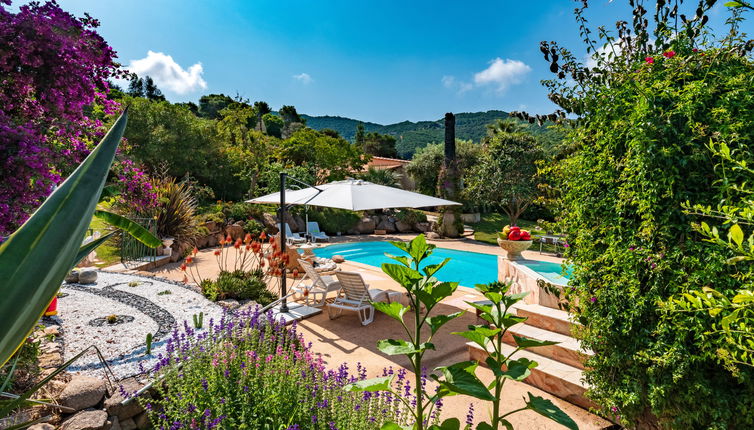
[51, 239]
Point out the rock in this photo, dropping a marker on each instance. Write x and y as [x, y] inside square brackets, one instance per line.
[53, 330]
[128, 424]
[403, 227]
[86, 420]
[114, 423]
[300, 222]
[51, 360]
[432, 235]
[387, 225]
[123, 412]
[366, 225]
[270, 223]
[211, 226]
[142, 421]
[291, 221]
[212, 240]
[83, 392]
[338, 258]
[87, 276]
[42, 426]
[229, 304]
[73, 277]
[201, 242]
[423, 227]
[235, 231]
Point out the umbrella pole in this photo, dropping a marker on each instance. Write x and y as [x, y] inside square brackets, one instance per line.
[281, 214]
[306, 214]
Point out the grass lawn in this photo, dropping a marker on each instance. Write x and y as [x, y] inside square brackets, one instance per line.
[108, 253]
[487, 229]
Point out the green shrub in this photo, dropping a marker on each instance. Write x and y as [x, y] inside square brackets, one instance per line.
[411, 216]
[332, 221]
[253, 227]
[638, 154]
[238, 285]
[175, 210]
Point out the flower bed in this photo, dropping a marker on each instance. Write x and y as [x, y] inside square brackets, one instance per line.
[252, 372]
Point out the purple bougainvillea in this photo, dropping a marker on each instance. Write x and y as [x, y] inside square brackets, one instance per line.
[53, 68]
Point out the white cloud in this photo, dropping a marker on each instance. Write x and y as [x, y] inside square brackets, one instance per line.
[168, 74]
[502, 74]
[603, 52]
[304, 78]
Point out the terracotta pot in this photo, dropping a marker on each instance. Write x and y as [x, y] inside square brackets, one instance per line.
[514, 247]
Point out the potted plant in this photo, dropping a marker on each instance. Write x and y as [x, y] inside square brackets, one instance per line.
[514, 241]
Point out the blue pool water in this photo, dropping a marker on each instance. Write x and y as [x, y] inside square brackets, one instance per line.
[465, 267]
[552, 272]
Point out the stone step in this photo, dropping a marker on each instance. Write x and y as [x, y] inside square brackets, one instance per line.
[550, 319]
[567, 350]
[551, 376]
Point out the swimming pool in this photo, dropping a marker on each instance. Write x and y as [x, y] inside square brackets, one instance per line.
[465, 267]
[552, 272]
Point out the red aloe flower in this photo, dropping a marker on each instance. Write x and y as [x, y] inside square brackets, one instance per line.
[195, 250]
[649, 60]
[669, 54]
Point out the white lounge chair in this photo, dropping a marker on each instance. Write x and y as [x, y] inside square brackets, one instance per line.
[291, 237]
[320, 286]
[355, 295]
[315, 233]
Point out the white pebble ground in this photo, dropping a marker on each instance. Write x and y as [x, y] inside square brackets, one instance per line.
[124, 345]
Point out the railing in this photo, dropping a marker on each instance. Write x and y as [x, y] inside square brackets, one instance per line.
[133, 252]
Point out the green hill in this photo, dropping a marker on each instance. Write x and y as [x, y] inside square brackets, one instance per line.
[413, 135]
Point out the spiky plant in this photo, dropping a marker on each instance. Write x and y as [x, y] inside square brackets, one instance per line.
[175, 210]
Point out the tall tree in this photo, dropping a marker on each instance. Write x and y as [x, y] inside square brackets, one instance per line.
[360, 134]
[261, 109]
[506, 175]
[151, 91]
[290, 115]
[136, 86]
[273, 124]
[380, 145]
[211, 105]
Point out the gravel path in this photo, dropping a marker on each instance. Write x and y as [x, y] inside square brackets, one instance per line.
[157, 307]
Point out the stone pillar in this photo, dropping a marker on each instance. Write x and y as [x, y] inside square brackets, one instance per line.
[448, 183]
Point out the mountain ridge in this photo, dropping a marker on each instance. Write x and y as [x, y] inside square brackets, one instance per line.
[411, 135]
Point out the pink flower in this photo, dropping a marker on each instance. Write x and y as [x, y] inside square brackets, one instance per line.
[593, 299]
[649, 60]
[669, 54]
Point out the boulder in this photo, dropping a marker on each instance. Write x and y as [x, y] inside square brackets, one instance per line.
[235, 231]
[42, 426]
[142, 421]
[86, 420]
[300, 222]
[291, 221]
[211, 226]
[338, 258]
[366, 225]
[122, 412]
[87, 276]
[83, 392]
[201, 242]
[128, 424]
[212, 240]
[423, 227]
[270, 223]
[432, 235]
[114, 423]
[403, 227]
[228, 304]
[387, 225]
[73, 277]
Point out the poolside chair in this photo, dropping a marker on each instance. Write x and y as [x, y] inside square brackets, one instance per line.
[355, 295]
[291, 237]
[321, 285]
[315, 233]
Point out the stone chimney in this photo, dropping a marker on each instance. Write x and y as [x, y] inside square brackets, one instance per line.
[450, 138]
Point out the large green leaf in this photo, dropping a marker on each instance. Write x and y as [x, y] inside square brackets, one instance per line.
[394, 310]
[525, 342]
[134, 229]
[374, 384]
[460, 378]
[546, 408]
[35, 259]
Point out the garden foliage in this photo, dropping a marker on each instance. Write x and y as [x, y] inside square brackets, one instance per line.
[644, 120]
[252, 372]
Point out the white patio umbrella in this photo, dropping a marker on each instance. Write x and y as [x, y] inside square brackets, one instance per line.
[355, 195]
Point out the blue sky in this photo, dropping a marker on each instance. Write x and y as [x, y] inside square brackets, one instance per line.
[382, 61]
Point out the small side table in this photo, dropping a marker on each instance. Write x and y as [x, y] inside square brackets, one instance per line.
[308, 249]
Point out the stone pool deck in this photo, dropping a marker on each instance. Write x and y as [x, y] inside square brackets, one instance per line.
[345, 340]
